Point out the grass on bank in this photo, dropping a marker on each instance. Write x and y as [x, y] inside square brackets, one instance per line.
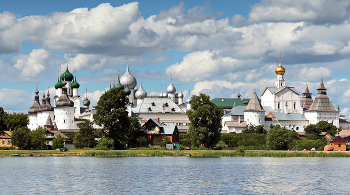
[160, 153]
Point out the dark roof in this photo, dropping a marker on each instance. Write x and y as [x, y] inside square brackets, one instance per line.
[229, 102]
[322, 102]
[337, 139]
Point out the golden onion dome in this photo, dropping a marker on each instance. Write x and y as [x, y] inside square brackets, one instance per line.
[280, 70]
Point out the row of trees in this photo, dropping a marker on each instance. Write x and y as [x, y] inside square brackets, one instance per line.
[24, 138]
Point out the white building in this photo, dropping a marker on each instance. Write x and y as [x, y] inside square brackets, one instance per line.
[66, 112]
[281, 105]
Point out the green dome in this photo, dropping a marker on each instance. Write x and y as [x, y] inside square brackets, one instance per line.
[127, 90]
[67, 75]
[75, 84]
[119, 86]
[59, 84]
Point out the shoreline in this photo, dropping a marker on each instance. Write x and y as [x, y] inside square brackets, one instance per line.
[174, 153]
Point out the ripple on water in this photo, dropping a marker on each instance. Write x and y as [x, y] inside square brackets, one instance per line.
[174, 175]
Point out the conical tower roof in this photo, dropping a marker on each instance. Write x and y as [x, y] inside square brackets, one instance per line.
[36, 105]
[48, 121]
[254, 104]
[322, 102]
[306, 100]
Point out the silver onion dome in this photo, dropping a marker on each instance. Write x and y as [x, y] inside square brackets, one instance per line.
[128, 79]
[180, 95]
[86, 102]
[171, 89]
[140, 93]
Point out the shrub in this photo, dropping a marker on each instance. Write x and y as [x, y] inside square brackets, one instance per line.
[105, 144]
[309, 144]
[57, 142]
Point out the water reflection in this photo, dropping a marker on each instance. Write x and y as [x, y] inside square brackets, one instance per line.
[174, 175]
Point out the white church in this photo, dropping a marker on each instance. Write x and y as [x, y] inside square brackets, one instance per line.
[281, 105]
[67, 112]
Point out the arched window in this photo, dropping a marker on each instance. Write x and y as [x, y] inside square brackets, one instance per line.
[278, 105]
[294, 105]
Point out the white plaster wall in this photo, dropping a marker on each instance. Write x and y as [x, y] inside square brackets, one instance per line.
[254, 118]
[33, 124]
[268, 99]
[330, 117]
[64, 117]
[76, 106]
[298, 125]
[344, 125]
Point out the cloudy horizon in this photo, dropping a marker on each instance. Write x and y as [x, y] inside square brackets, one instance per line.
[219, 48]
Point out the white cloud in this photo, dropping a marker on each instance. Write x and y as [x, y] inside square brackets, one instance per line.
[317, 11]
[13, 99]
[312, 74]
[33, 64]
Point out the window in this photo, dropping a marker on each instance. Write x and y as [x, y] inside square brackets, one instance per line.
[3, 142]
[294, 105]
[9, 142]
[339, 145]
[297, 128]
[278, 105]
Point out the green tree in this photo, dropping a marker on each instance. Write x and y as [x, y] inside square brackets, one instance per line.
[105, 144]
[3, 119]
[133, 132]
[185, 139]
[327, 127]
[312, 131]
[205, 118]
[111, 114]
[142, 141]
[231, 139]
[38, 138]
[86, 135]
[17, 120]
[281, 138]
[254, 129]
[57, 142]
[21, 137]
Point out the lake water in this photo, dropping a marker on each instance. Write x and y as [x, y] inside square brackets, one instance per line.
[174, 175]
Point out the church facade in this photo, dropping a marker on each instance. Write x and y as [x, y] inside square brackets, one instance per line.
[281, 105]
[67, 111]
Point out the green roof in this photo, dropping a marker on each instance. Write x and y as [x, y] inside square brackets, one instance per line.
[67, 76]
[228, 102]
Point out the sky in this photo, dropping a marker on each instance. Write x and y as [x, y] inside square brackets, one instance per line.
[218, 47]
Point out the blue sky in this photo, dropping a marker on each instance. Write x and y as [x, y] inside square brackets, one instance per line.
[214, 47]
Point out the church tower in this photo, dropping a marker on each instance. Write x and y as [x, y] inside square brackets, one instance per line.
[280, 82]
[254, 114]
[322, 108]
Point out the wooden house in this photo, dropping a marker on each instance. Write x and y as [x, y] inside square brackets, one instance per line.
[338, 143]
[5, 137]
[155, 128]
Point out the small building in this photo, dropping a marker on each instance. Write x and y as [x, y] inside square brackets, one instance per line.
[155, 128]
[6, 139]
[338, 143]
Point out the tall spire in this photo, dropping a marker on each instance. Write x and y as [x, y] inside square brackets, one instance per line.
[280, 58]
[67, 60]
[127, 61]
